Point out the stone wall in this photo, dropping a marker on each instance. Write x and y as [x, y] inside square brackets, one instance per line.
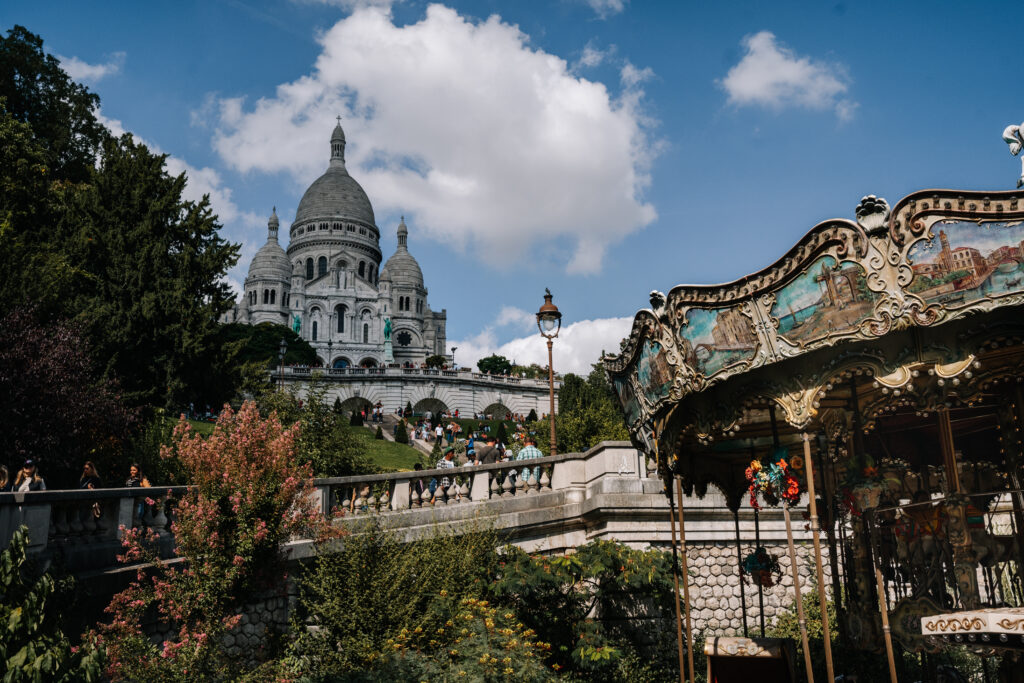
[264, 615]
[715, 586]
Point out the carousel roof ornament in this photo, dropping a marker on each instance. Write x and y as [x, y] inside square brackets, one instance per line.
[1014, 137]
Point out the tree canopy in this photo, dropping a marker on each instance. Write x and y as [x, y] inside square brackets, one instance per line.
[495, 364]
[93, 229]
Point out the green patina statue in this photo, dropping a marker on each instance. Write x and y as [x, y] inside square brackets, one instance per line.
[387, 329]
[296, 323]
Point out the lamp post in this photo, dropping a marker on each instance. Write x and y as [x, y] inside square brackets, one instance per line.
[454, 349]
[281, 350]
[549, 322]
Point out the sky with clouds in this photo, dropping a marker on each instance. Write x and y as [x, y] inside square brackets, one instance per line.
[602, 148]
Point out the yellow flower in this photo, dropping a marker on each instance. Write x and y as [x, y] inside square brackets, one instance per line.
[462, 673]
[444, 594]
[755, 465]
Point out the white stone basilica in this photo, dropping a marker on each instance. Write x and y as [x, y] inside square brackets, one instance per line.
[329, 286]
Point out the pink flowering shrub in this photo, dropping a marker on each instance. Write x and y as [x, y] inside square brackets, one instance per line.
[246, 497]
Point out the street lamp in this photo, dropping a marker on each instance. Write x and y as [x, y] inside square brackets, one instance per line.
[454, 349]
[281, 350]
[549, 322]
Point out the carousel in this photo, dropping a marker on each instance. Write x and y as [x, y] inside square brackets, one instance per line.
[872, 379]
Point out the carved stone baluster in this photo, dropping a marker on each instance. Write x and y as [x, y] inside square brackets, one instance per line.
[158, 517]
[415, 500]
[371, 503]
[346, 503]
[88, 519]
[533, 485]
[521, 488]
[76, 530]
[495, 490]
[385, 498]
[545, 480]
[464, 492]
[357, 508]
[506, 486]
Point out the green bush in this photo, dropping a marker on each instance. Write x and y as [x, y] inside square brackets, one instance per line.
[402, 435]
[379, 435]
[32, 645]
[365, 594]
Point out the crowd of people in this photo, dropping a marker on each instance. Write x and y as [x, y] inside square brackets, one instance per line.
[28, 478]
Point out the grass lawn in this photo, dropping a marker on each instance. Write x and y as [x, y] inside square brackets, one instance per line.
[388, 455]
[201, 427]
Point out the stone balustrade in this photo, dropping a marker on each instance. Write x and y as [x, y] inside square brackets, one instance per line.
[567, 500]
[304, 373]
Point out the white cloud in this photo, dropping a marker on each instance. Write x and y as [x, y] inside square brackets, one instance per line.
[773, 76]
[490, 143]
[593, 56]
[511, 315]
[577, 347]
[606, 8]
[91, 73]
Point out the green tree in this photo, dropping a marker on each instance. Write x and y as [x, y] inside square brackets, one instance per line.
[494, 364]
[402, 435]
[32, 645]
[325, 439]
[93, 229]
[156, 277]
[588, 413]
[61, 113]
[436, 361]
[532, 416]
[262, 343]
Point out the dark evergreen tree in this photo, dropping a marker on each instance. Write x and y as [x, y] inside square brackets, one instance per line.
[495, 364]
[379, 435]
[532, 416]
[337, 405]
[402, 435]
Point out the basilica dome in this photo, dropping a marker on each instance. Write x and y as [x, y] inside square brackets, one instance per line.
[271, 262]
[335, 194]
[402, 268]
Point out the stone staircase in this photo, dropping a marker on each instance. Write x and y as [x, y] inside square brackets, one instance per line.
[388, 428]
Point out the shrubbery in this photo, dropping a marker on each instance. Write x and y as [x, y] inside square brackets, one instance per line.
[247, 499]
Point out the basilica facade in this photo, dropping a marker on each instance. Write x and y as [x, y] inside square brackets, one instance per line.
[329, 285]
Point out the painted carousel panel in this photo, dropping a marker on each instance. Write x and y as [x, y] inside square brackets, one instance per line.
[653, 371]
[714, 339]
[964, 261]
[828, 298]
[627, 397]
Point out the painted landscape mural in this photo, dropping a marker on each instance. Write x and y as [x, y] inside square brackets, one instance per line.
[965, 261]
[630, 406]
[827, 298]
[653, 371]
[716, 338]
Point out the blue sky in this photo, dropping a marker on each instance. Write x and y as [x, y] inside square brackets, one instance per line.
[602, 148]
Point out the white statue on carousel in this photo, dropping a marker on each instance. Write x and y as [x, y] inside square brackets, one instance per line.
[1014, 137]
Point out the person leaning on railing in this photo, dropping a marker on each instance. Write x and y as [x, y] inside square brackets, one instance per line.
[529, 452]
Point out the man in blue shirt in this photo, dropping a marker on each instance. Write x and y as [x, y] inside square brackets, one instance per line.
[528, 452]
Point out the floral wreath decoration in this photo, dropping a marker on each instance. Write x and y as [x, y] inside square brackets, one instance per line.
[761, 568]
[773, 482]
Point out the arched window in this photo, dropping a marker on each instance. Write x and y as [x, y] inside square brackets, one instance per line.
[309, 269]
[285, 298]
[362, 269]
[366, 333]
[321, 266]
[313, 331]
[252, 298]
[340, 311]
[266, 296]
[273, 295]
